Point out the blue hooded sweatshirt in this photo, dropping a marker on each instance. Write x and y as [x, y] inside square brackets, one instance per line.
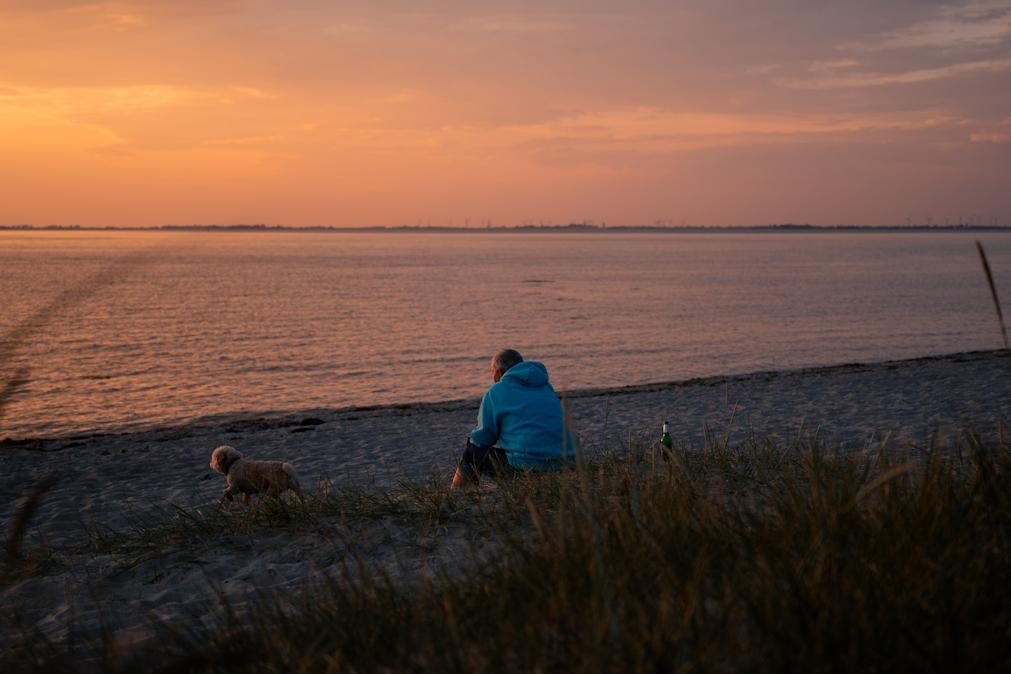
[523, 415]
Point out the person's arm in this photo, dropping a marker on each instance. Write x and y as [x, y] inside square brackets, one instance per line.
[486, 432]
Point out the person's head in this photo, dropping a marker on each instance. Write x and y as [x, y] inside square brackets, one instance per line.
[504, 360]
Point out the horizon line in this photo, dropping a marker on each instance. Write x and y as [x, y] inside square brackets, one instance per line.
[572, 227]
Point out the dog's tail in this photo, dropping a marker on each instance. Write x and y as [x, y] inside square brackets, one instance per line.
[292, 476]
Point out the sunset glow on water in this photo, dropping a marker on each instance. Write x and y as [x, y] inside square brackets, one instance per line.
[195, 324]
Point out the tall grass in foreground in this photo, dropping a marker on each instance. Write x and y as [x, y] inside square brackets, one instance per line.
[757, 560]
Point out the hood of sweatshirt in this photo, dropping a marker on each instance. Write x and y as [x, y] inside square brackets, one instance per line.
[527, 373]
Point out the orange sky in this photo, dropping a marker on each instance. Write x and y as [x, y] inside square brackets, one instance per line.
[396, 112]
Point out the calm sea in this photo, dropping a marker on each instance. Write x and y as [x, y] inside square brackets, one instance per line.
[127, 330]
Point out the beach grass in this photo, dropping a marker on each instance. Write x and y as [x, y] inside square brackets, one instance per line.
[755, 558]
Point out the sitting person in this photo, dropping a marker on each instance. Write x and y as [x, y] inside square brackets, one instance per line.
[520, 424]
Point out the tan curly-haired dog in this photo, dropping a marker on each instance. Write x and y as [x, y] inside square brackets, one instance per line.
[246, 476]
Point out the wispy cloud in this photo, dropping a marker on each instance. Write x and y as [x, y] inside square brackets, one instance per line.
[124, 21]
[72, 101]
[957, 40]
[833, 65]
[254, 142]
[506, 24]
[403, 96]
[820, 77]
[616, 132]
[993, 133]
[973, 24]
[656, 131]
[115, 117]
[112, 15]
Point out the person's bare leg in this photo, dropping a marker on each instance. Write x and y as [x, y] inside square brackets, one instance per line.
[461, 480]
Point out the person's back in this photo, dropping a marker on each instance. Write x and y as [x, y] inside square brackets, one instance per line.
[520, 425]
[521, 413]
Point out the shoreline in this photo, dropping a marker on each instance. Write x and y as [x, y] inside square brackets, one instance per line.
[305, 417]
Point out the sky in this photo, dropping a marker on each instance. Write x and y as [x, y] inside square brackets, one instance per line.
[389, 112]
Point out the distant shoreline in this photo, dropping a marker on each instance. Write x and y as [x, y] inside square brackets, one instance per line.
[571, 228]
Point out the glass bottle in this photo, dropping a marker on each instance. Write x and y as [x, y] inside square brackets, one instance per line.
[666, 443]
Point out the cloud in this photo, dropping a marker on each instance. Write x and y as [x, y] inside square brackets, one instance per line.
[506, 24]
[830, 78]
[834, 65]
[605, 135]
[973, 24]
[249, 92]
[997, 133]
[74, 101]
[37, 6]
[955, 41]
[106, 16]
[124, 21]
[402, 96]
[119, 119]
[254, 142]
[656, 131]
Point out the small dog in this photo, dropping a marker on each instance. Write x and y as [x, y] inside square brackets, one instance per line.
[246, 477]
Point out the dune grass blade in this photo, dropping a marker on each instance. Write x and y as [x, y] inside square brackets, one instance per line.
[19, 523]
[993, 293]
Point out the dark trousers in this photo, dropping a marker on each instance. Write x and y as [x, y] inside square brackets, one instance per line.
[483, 460]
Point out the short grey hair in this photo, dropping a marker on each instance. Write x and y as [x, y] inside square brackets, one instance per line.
[506, 358]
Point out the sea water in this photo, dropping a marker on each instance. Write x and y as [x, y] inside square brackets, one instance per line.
[123, 330]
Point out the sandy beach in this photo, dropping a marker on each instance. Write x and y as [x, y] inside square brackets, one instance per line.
[111, 483]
